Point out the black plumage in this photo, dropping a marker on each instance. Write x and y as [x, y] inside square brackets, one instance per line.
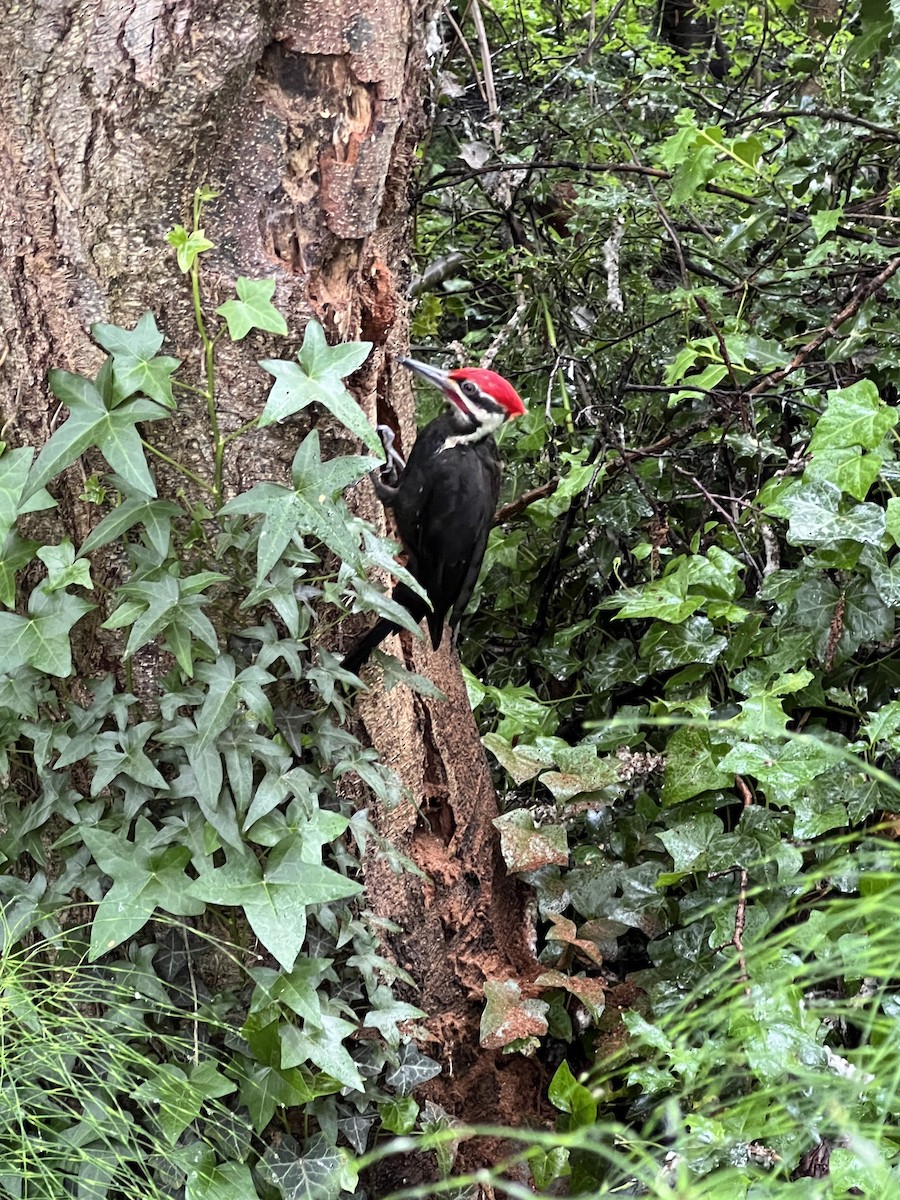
[443, 504]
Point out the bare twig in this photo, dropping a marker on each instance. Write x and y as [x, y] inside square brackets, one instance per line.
[487, 67]
[504, 333]
[827, 114]
[850, 309]
[508, 511]
[740, 916]
[469, 54]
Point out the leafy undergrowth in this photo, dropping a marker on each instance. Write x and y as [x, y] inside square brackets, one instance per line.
[192, 998]
[687, 672]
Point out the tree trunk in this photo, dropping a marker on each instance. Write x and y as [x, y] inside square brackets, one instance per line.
[305, 120]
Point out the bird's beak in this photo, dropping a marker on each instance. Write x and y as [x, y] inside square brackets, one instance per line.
[436, 377]
[433, 375]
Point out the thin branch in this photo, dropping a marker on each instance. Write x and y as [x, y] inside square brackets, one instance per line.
[849, 310]
[828, 114]
[508, 511]
[487, 67]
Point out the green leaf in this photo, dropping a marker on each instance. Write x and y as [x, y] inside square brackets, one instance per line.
[399, 1115]
[41, 639]
[63, 569]
[826, 221]
[664, 599]
[308, 509]
[689, 843]
[179, 1095]
[855, 416]
[783, 771]
[523, 761]
[253, 309]
[572, 1097]
[136, 367]
[691, 766]
[322, 1046]
[274, 901]
[320, 360]
[893, 519]
[188, 246]
[848, 469]
[816, 519]
[317, 379]
[89, 424]
[224, 1181]
[668, 646]
[145, 875]
[14, 467]
[321, 1173]
[154, 515]
[15, 553]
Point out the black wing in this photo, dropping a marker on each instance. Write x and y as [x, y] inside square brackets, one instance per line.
[444, 508]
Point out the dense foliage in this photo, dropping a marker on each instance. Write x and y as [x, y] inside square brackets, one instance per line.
[688, 678]
[687, 670]
[185, 956]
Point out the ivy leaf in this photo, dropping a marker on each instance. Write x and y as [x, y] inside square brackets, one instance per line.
[14, 467]
[15, 553]
[508, 1016]
[188, 246]
[389, 1015]
[274, 901]
[154, 515]
[179, 1095]
[816, 519]
[855, 416]
[581, 771]
[308, 508]
[525, 848]
[121, 752]
[663, 599]
[781, 772]
[825, 221]
[220, 1181]
[323, 1046]
[145, 876]
[399, 1115]
[689, 843]
[321, 1172]
[113, 432]
[523, 761]
[264, 1089]
[317, 379]
[668, 646]
[893, 519]
[691, 766]
[136, 366]
[847, 468]
[320, 360]
[253, 309]
[41, 639]
[570, 1096]
[412, 1070]
[63, 569]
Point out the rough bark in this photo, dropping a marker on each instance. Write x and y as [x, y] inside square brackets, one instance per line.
[305, 118]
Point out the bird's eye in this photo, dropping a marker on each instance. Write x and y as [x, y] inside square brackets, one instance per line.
[470, 388]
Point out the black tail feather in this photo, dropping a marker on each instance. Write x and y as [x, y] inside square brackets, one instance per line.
[418, 608]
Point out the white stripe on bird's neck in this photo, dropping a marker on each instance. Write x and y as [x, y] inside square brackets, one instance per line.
[487, 421]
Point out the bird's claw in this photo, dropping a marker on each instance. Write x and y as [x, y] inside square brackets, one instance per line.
[394, 460]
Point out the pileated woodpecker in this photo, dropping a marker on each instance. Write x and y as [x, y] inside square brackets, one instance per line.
[444, 499]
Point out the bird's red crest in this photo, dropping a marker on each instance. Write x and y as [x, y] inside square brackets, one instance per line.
[493, 385]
